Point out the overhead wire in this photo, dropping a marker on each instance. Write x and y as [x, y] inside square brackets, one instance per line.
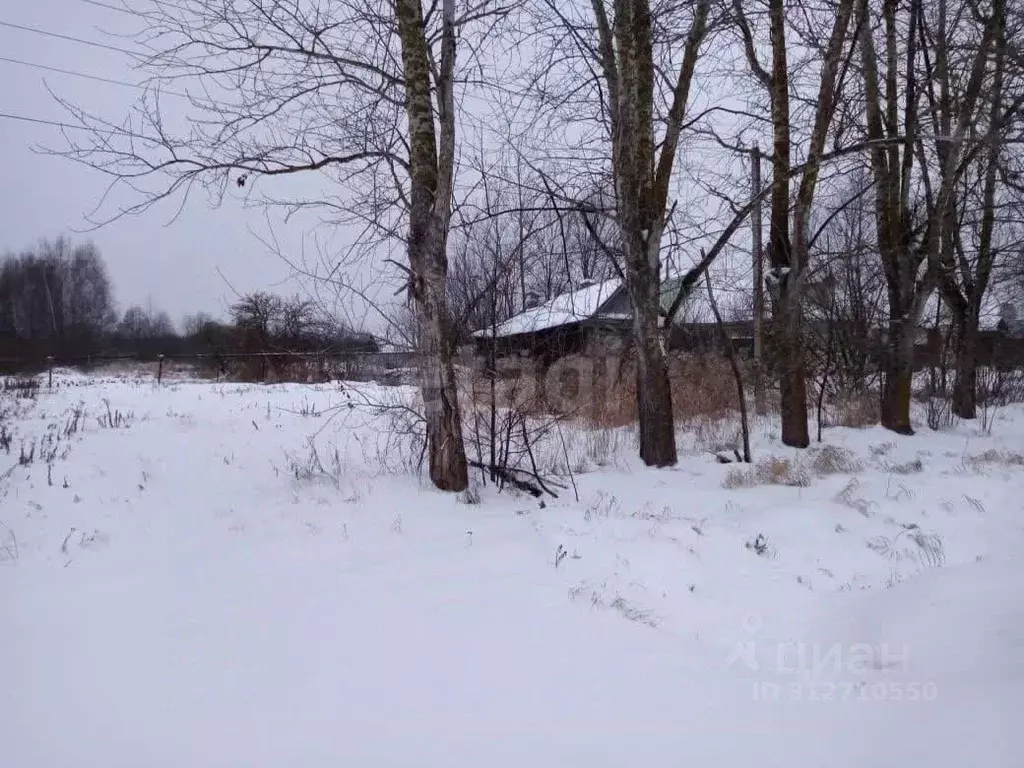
[142, 14]
[87, 76]
[55, 123]
[69, 38]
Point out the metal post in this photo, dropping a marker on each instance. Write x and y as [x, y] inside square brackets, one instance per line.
[758, 257]
[49, 366]
[160, 369]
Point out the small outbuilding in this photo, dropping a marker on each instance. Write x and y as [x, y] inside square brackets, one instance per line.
[596, 318]
[581, 321]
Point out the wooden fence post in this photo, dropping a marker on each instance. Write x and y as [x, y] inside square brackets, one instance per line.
[49, 366]
[160, 369]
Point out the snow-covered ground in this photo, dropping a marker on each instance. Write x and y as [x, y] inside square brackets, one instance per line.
[182, 583]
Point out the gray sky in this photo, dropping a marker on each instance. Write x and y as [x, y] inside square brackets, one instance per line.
[199, 260]
[173, 265]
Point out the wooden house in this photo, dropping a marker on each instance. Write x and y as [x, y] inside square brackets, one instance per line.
[596, 318]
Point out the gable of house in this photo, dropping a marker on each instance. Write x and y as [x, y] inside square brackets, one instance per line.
[587, 303]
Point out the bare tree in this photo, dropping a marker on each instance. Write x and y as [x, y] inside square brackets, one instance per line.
[256, 316]
[789, 248]
[967, 240]
[360, 93]
[139, 323]
[844, 292]
[192, 325]
[432, 179]
[909, 240]
[734, 365]
[55, 299]
[296, 322]
[637, 97]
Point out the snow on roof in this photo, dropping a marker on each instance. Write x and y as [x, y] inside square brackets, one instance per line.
[586, 303]
[572, 307]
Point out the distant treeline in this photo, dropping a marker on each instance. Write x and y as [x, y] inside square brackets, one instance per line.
[57, 300]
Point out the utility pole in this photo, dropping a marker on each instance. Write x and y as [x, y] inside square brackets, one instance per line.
[758, 257]
[522, 236]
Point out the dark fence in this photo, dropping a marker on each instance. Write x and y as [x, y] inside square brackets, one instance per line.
[242, 366]
[994, 349]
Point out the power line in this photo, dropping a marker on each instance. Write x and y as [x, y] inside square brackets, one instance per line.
[143, 14]
[69, 38]
[57, 124]
[118, 8]
[87, 76]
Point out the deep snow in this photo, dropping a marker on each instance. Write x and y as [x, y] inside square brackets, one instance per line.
[173, 592]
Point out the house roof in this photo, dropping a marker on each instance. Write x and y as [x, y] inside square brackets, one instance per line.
[565, 309]
[594, 301]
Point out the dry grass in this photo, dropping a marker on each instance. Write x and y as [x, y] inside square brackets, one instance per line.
[856, 411]
[703, 392]
[777, 470]
[771, 470]
[911, 467]
[593, 399]
[882, 449]
[848, 498]
[602, 390]
[992, 456]
[833, 460]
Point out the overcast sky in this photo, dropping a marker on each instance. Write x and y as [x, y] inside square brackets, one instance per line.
[202, 258]
[175, 266]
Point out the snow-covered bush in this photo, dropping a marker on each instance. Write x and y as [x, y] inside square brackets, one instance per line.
[769, 470]
[834, 460]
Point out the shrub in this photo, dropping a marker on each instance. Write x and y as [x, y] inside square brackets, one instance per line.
[469, 496]
[857, 410]
[833, 460]
[21, 387]
[939, 413]
[907, 468]
[992, 456]
[773, 470]
[770, 470]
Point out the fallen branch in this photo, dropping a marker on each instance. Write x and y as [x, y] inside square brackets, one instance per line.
[522, 479]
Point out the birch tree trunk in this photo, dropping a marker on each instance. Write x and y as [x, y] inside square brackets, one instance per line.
[432, 175]
[653, 387]
[625, 52]
[892, 163]
[788, 255]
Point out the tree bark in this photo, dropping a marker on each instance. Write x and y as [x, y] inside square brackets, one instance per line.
[792, 383]
[892, 169]
[966, 383]
[431, 176]
[653, 388]
[789, 256]
[625, 53]
[899, 376]
[964, 283]
[793, 377]
[438, 384]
